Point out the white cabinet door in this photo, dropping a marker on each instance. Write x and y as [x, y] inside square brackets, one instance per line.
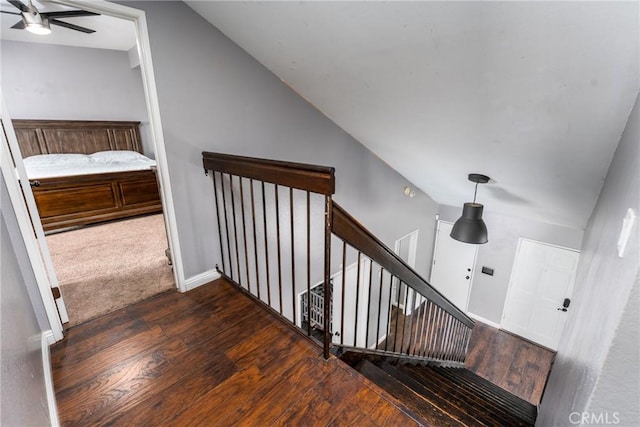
[541, 280]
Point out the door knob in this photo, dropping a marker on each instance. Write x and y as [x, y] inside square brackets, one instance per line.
[565, 304]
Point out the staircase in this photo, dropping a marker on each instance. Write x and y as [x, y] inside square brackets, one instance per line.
[280, 232]
[444, 396]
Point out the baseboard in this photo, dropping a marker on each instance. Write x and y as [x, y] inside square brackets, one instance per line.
[201, 279]
[46, 340]
[483, 320]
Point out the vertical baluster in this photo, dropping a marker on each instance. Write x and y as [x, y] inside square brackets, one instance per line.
[379, 308]
[417, 336]
[447, 337]
[344, 274]
[458, 336]
[389, 308]
[355, 326]
[308, 263]
[293, 258]
[226, 225]
[411, 316]
[466, 345]
[235, 228]
[395, 334]
[366, 334]
[266, 248]
[255, 236]
[404, 315]
[277, 201]
[423, 332]
[434, 331]
[428, 338]
[215, 192]
[244, 234]
[328, 221]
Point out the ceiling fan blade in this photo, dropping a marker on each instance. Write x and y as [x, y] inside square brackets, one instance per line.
[19, 25]
[67, 14]
[10, 13]
[71, 26]
[17, 3]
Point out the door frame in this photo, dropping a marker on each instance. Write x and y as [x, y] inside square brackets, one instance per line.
[11, 176]
[411, 262]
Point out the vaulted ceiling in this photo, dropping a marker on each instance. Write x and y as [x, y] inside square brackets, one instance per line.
[534, 94]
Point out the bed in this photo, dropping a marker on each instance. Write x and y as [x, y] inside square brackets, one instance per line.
[86, 172]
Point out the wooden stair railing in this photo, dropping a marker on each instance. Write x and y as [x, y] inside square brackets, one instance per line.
[278, 228]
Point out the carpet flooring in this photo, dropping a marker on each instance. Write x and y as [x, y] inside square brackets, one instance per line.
[106, 267]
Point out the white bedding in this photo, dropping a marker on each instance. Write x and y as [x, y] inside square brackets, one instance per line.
[56, 165]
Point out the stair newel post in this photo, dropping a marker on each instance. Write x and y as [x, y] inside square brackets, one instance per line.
[328, 209]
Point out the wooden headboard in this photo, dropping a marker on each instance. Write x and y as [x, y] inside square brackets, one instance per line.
[76, 136]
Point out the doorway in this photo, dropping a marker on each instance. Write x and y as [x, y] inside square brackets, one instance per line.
[539, 294]
[406, 248]
[39, 255]
[453, 266]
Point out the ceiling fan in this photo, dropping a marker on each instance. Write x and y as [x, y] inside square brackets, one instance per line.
[39, 22]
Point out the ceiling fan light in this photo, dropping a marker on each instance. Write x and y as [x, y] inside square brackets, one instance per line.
[470, 228]
[39, 29]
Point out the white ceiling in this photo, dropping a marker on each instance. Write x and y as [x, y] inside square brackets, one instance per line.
[533, 94]
[111, 33]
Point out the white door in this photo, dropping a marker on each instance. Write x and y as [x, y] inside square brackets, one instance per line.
[453, 266]
[406, 248]
[541, 280]
[31, 230]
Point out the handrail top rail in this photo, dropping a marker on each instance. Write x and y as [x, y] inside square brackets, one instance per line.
[313, 178]
[357, 235]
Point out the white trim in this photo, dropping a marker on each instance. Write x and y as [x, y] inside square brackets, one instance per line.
[46, 340]
[26, 230]
[151, 96]
[200, 279]
[483, 320]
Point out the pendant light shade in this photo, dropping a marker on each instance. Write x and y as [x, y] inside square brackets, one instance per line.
[470, 228]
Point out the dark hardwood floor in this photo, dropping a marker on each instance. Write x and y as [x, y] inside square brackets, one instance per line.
[208, 357]
[510, 362]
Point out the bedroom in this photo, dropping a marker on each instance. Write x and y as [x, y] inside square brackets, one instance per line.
[61, 82]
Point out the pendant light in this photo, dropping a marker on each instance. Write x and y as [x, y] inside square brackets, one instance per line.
[470, 228]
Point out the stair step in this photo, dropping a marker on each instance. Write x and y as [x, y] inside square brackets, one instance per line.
[487, 405]
[476, 383]
[415, 404]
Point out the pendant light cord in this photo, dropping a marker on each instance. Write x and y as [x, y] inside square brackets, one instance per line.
[475, 192]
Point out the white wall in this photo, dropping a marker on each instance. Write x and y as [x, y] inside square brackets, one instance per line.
[43, 81]
[488, 293]
[213, 96]
[596, 368]
[23, 397]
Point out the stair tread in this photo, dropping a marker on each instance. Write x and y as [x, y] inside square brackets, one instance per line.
[424, 409]
[475, 381]
[471, 394]
[483, 413]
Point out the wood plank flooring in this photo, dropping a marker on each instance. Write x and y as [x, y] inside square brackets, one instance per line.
[211, 356]
[510, 362]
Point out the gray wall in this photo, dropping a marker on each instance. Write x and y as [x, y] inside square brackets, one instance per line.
[22, 386]
[594, 354]
[488, 293]
[43, 81]
[214, 96]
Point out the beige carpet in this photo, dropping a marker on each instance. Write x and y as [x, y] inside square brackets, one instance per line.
[106, 267]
